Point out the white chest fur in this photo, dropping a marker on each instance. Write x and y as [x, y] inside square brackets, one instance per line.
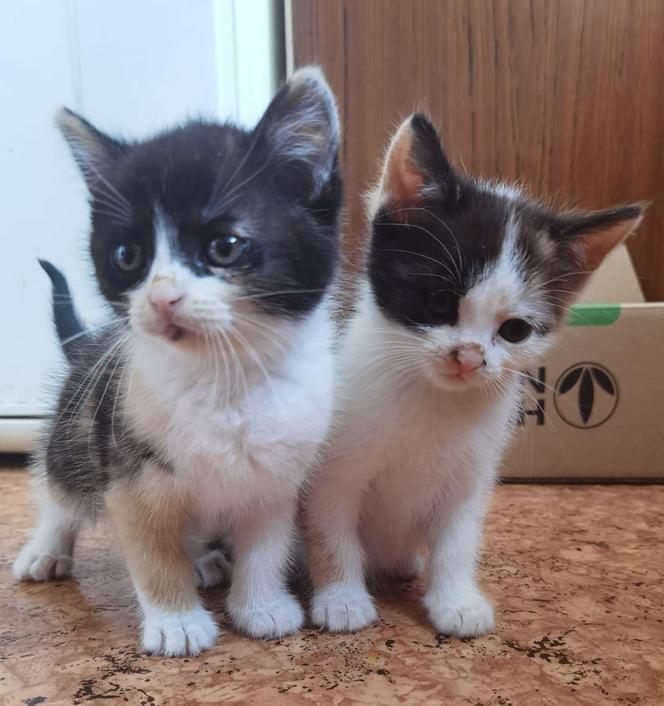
[423, 446]
[236, 437]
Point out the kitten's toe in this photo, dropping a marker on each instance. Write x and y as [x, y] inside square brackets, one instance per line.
[275, 617]
[178, 634]
[342, 608]
[470, 616]
[33, 565]
[212, 569]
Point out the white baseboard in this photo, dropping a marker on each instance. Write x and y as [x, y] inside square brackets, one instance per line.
[19, 435]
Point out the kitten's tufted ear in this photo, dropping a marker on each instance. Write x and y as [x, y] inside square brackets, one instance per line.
[590, 237]
[301, 127]
[416, 166]
[93, 151]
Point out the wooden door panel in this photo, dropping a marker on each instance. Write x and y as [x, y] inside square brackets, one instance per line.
[564, 95]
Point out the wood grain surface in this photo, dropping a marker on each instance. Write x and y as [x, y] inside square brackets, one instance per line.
[563, 95]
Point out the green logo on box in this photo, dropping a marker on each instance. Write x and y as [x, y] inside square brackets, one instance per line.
[593, 314]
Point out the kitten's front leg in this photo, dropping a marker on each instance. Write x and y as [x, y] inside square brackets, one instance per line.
[341, 601]
[454, 603]
[258, 601]
[150, 523]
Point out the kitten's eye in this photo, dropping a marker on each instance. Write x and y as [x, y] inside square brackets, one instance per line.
[226, 250]
[128, 257]
[442, 303]
[515, 330]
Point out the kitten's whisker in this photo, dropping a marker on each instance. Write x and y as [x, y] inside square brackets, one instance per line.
[101, 399]
[563, 276]
[456, 277]
[527, 377]
[269, 331]
[276, 293]
[85, 387]
[223, 360]
[99, 403]
[432, 274]
[231, 196]
[118, 392]
[89, 331]
[237, 365]
[574, 296]
[109, 191]
[392, 332]
[214, 209]
[530, 395]
[457, 265]
[257, 360]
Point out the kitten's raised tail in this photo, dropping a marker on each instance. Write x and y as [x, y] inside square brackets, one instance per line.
[67, 323]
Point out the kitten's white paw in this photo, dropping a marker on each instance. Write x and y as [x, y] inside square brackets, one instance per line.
[212, 569]
[34, 564]
[274, 617]
[177, 634]
[469, 616]
[342, 608]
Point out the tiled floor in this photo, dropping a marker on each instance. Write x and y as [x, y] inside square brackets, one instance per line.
[575, 571]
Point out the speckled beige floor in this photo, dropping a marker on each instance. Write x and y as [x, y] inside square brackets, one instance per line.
[575, 571]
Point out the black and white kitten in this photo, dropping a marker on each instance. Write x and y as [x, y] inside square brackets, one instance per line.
[198, 409]
[466, 282]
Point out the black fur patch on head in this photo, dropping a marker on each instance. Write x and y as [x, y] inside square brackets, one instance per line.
[432, 246]
[437, 231]
[278, 186]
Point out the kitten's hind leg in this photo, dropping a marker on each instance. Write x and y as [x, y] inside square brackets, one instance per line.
[212, 568]
[48, 555]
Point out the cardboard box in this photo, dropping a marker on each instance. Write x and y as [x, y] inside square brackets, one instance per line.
[595, 406]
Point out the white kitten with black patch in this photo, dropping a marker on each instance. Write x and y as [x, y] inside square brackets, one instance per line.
[196, 412]
[465, 283]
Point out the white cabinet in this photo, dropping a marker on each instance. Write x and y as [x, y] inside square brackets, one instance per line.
[132, 67]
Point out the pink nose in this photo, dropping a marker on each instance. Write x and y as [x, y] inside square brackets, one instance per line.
[164, 296]
[469, 357]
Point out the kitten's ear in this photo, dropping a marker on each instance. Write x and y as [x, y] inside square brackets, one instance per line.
[590, 237]
[416, 166]
[301, 126]
[93, 151]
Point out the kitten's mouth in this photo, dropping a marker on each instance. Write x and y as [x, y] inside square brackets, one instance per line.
[449, 372]
[173, 332]
[176, 333]
[459, 379]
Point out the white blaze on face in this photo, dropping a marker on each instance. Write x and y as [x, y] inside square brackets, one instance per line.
[172, 301]
[500, 294]
[164, 265]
